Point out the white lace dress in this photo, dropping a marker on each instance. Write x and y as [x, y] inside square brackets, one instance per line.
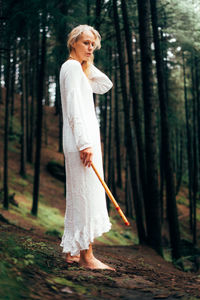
[86, 215]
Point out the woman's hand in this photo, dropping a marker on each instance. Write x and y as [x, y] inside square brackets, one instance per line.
[86, 156]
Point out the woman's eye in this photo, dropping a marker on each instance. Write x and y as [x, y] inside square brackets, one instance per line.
[87, 43]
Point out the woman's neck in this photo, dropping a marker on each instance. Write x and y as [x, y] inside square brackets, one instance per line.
[74, 56]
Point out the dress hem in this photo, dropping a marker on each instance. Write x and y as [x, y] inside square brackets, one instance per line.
[84, 245]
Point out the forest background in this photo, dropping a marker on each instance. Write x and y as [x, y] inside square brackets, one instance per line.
[149, 121]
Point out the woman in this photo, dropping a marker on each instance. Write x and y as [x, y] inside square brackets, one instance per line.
[86, 215]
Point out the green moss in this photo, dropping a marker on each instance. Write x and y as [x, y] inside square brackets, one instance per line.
[167, 254]
[21, 181]
[16, 126]
[12, 147]
[77, 287]
[12, 285]
[62, 281]
[183, 200]
[118, 235]
[53, 232]
[17, 254]
[198, 217]
[48, 217]
[12, 259]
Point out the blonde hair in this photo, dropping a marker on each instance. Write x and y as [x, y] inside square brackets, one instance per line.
[74, 35]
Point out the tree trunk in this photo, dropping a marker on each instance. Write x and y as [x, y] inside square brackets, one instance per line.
[6, 127]
[26, 88]
[153, 204]
[195, 95]
[40, 94]
[98, 14]
[165, 138]
[12, 89]
[34, 61]
[105, 133]
[162, 182]
[135, 99]
[189, 143]
[1, 46]
[60, 146]
[117, 130]
[1, 101]
[22, 139]
[128, 130]
[88, 12]
[180, 162]
[110, 145]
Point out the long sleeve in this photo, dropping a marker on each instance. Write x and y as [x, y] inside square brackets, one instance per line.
[73, 105]
[77, 120]
[99, 82]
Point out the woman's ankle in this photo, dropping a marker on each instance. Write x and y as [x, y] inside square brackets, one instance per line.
[86, 255]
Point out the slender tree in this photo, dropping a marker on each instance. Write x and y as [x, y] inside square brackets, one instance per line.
[189, 142]
[195, 88]
[135, 100]
[165, 137]
[153, 205]
[6, 127]
[40, 94]
[105, 110]
[23, 140]
[12, 88]
[1, 44]
[179, 174]
[128, 129]
[117, 129]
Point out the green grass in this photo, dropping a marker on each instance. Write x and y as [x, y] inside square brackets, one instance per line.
[12, 147]
[48, 217]
[118, 235]
[51, 219]
[21, 181]
[183, 200]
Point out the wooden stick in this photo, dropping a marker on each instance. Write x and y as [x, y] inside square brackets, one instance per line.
[108, 192]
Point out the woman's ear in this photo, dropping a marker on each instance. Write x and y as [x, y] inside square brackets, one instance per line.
[73, 45]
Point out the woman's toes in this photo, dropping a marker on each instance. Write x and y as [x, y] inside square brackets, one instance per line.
[72, 259]
[96, 264]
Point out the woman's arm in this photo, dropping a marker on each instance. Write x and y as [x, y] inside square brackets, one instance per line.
[100, 83]
[72, 102]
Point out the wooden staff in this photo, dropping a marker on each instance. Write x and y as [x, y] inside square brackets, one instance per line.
[108, 192]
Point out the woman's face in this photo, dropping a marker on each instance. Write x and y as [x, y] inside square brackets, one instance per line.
[84, 46]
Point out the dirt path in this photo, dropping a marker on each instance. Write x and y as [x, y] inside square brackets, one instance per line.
[141, 273]
[32, 265]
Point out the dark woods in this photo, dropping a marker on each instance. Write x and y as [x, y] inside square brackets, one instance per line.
[150, 121]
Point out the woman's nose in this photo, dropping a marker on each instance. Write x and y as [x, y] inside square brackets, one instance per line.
[90, 47]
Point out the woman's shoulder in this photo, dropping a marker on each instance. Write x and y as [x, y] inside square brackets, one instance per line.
[71, 65]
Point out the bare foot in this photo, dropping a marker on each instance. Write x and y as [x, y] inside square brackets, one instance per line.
[71, 259]
[94, 263]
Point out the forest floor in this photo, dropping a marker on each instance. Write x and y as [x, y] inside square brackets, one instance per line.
[32, 265]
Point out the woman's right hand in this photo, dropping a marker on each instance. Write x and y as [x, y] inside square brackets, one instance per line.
[86, 156]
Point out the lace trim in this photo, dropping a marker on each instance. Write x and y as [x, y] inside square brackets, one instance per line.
[82, 239]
